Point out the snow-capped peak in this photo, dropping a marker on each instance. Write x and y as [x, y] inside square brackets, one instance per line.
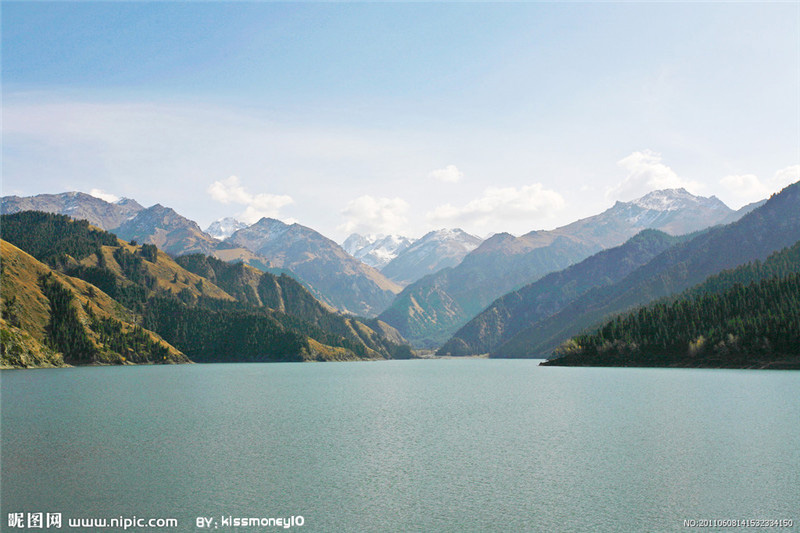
[676, 199]
[376, 250]
[665, 200]
[224, 227]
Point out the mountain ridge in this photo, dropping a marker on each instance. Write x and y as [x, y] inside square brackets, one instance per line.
[352, 287]
[105, 215]
[165, 228]
[510, 313]
[429, 311]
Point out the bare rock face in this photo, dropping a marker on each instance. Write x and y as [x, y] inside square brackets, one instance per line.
[168, 230]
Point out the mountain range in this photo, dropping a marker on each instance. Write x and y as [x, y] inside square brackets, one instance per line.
[433, 252]
[297, 251]
[430, 310]
[78, 205]
[770, 227]
[405, 260]
[314, 260]
[165, 290]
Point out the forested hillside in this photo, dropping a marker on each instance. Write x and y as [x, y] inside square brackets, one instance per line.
[745, 317]
[266, 318]
[50, 319]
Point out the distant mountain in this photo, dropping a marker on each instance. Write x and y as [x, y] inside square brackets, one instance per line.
[355, 242]
[78, 205]
[747, 317]
[742, 211]
[515, 311]
[225, 227]
[168, 230]
[376, 250]
[675, 211]
[430, 310]
[436, 250]
[774, 225]
[338, 278]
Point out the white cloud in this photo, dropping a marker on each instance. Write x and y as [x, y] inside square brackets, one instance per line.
[785, 176]
[746, 186]
[750, 188]
[367, 214]
[231, 191]
[647, 173]
[448, 174]
[498, 205]
[108, 197]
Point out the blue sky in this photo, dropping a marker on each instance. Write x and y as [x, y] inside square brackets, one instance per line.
[400, 117]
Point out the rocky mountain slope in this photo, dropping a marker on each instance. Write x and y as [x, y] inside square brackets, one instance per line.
[168, 230]
[338, 278]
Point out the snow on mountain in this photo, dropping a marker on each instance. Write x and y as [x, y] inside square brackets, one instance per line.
[376, 250]
[434, 251]
[355, 242]
[675, 211]
[224, 227]
[674, 199]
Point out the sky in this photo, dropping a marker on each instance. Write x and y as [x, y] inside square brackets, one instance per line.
[400, 117]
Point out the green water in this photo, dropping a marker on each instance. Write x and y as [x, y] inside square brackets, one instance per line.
[432, 445]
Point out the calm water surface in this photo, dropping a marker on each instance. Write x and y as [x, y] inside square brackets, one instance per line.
[432, 445]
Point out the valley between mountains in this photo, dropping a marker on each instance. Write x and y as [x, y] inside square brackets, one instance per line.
[669, 279]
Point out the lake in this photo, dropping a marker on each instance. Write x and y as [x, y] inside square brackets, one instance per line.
[423, 445]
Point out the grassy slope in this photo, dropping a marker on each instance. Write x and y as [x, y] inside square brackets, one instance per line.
[20, 281]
